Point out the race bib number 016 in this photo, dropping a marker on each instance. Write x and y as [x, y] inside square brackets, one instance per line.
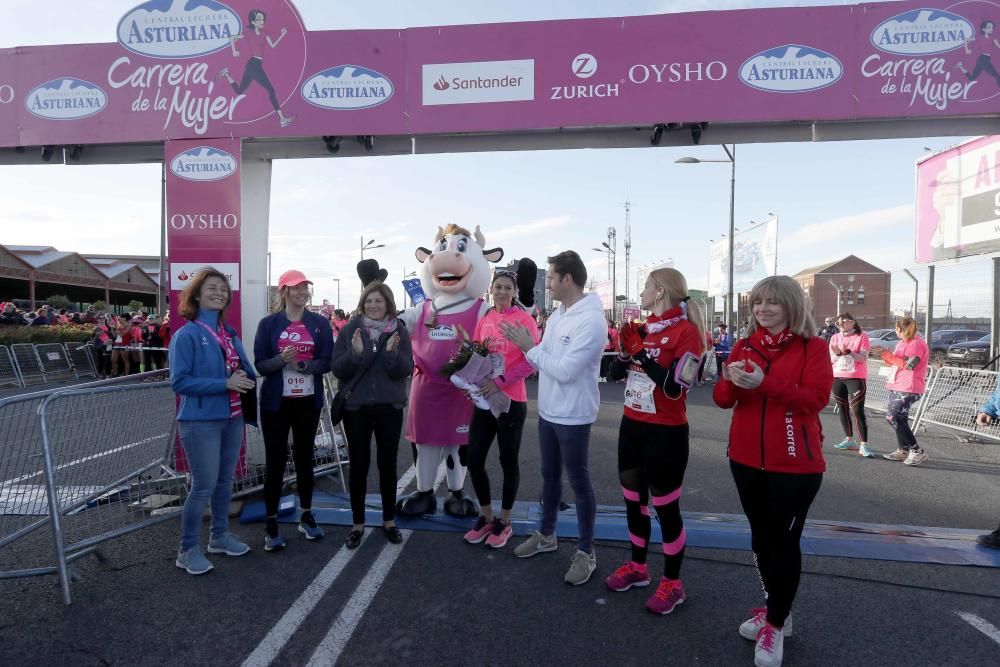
[297, 384]
[639, 392]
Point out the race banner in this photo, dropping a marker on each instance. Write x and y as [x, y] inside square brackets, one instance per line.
[755, 256]
[958, 201]
[249, 68]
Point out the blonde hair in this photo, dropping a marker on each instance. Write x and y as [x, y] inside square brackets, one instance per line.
[908, 326]
[675, 289]
[789, 294]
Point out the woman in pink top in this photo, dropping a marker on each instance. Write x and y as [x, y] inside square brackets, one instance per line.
[906, 382]
[849, 356]
[509, 378]
[256, 41]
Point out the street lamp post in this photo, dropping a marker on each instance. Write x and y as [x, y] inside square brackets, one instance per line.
[339, 305]
[731, 154]
[612, 263]
[369, 246]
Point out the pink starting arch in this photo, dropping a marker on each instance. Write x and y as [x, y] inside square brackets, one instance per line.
[217, 89]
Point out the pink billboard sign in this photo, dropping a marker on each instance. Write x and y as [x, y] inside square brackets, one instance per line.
[186, 69]
[958, 201]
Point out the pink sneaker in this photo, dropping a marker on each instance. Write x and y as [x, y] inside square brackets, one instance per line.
[628, 575]
[499, 534]
[479, 531]
[668, 595]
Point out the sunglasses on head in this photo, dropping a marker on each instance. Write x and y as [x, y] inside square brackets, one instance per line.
[505, 273]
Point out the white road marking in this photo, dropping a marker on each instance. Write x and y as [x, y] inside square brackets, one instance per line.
[405, 480]
[271, 645]
[332, 645]
[981, 624]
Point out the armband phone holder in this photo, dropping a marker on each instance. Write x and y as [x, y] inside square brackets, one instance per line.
[686, 371]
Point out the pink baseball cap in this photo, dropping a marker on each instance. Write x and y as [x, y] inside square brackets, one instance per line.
[292, 278]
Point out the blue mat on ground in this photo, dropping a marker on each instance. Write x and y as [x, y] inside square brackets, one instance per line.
[912, 544]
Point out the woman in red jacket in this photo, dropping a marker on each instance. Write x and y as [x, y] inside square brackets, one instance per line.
[653, 437]
[777, 381]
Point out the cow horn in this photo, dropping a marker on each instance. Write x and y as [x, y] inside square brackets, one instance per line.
[480, 239]
[439, 235]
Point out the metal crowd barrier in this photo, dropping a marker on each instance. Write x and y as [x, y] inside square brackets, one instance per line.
[29, 368]
[81, 356]
[954, 398]
[82, 460]
[8, 371]
[877, 395]
[54, 361]
[329, 451]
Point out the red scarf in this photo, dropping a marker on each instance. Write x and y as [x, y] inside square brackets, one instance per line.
[771, 343]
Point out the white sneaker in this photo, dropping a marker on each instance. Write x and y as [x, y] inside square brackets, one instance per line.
[581, 568]
[770, 647]
[915, 458]
[536, 544]
[898, 455]
[750, 628]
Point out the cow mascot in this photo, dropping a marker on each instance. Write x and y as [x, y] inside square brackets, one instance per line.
[455, 275]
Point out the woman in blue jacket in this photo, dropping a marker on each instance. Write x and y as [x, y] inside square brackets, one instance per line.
[215, 381]
[292, 350]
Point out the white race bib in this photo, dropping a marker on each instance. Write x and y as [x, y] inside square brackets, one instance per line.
[889, 372]
[844, 364]
[296, 384]
[639, 392]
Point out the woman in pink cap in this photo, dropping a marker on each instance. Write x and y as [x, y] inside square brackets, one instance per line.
[292, 350]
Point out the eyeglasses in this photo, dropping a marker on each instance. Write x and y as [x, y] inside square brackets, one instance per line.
[505, 273]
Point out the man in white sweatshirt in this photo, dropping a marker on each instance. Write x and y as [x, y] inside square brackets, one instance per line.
[568, 360]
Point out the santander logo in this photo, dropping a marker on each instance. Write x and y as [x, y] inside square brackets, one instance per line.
[203, 163]
[441, 84]
[66, 98]
[178, 28]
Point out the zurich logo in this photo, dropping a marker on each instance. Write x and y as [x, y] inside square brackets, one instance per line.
[791, 68]
[66, 98]
[203, 163]
[178, 28]
[584, 66]
[347, 87]
[922, 32]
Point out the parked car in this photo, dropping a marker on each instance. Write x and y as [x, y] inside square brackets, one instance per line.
[972, 353]
[945, 338]
[886, 338]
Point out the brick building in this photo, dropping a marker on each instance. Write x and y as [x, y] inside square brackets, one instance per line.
[864, 291]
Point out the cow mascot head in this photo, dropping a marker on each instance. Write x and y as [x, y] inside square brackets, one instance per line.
[455, 275]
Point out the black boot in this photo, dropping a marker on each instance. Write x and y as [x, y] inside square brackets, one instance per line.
[991, 540]
[417, 503]
[459, 504]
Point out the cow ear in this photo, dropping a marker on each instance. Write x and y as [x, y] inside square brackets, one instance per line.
[422, 254]
[494, 255]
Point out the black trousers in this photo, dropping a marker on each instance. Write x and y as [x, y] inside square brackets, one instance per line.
[301, 416]
[385, 422]
[776, 505]
[255, 72]
[507, 430]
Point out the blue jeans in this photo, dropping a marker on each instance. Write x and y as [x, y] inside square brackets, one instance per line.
[213, 449]
[558, 444]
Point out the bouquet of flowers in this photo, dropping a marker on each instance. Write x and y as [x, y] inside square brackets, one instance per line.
[469, 367]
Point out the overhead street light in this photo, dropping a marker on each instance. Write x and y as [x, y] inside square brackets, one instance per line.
[369, 246]
[731, 158]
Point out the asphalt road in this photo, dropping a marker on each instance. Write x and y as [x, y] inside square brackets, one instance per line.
[436, 601]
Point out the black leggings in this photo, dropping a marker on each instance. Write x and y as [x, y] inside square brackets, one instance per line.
[776, 505]
[255, 72]
[983, 64]
[651, 461]
[507, 430]
[301, 416]
[386, 422]
[849, 393]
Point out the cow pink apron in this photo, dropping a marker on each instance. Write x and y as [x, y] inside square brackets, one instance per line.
[439, 414]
